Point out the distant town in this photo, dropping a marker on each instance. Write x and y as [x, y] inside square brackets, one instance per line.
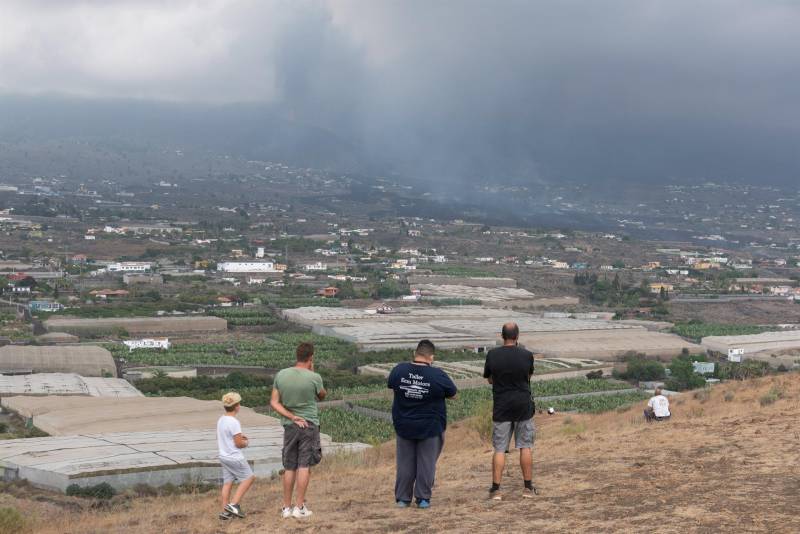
[153, 298]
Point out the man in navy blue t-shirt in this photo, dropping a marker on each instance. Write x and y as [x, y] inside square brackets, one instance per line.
[420, 419]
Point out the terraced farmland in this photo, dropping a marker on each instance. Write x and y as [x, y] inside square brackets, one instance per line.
[346, 426]
[276, 351]
[252, 316]
[470, 401]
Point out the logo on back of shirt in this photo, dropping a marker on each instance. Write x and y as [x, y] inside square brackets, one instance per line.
[414, 386]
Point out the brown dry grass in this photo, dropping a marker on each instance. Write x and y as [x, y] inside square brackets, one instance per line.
[725, 463]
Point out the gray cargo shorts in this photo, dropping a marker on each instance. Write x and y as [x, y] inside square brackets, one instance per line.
[301, 446]
[234, 470]
[524, 434]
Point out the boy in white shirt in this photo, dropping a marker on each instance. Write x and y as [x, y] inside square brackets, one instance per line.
[235, 468]
[657, 407]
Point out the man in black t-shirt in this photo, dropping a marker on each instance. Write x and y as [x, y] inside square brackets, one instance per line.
[509, 370]
[419, 416]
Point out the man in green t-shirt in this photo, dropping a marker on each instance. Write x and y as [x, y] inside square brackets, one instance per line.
[295, 393]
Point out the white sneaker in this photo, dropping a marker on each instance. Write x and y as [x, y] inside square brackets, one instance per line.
[301, 512]
[286, 512]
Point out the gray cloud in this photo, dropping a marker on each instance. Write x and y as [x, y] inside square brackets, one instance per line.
[470, 89]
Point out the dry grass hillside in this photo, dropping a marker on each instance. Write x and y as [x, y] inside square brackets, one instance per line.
[729, 461]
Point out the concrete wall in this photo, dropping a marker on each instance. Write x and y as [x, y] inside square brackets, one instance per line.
[439, 279]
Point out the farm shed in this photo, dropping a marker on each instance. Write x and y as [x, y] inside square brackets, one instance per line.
[85, 360]
[138, 326]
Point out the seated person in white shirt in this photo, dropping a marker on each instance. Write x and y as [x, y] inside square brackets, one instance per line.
[657, 407]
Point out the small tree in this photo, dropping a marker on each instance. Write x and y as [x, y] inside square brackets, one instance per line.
[682, 376]
[641, 369]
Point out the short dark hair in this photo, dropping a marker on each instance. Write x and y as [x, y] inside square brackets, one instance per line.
[231, 408]
[425, 348]
[510, 331]
[304, 352]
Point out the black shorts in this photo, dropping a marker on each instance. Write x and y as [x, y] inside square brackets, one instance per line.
[301, 446]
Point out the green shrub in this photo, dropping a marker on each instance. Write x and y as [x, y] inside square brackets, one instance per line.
[12, 521]
[482, 423]
[3, 428]
[683, 377]
[703, 394]
[144, 490]
[771, 396]
[741, 371]
[728, 396]
[641, 369]
[102, 491]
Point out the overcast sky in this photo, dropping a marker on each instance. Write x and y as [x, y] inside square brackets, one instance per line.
[455, 86]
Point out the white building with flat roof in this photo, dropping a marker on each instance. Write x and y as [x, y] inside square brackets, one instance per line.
[246, 267]
[129, 267]
[147, 343]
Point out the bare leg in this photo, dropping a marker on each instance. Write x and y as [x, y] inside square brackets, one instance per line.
[526, 463]
[242, 489]
[303, 477]
[226, 493]
[498, 462]
[288, 486]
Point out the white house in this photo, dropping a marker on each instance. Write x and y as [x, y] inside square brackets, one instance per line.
[319, 266]
[129, 267]
[147, 343]
[20, 289]
[735, 355]
[246, 266]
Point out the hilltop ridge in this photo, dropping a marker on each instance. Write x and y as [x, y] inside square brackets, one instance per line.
[728, 461]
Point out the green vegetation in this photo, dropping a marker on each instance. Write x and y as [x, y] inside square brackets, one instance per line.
[355, 358]
[126, 309]
[276, 351]
[463, 406]
[251, 316]
[741, 371]
[457, 270]
[345, 426]
[389, 289]
[771, 396]
[477, 402]
[16, 427]
[102, 491]
[682, 375]
[695, 330]
[598, 403]
[568, 386]
[641, 369]
[613, 293]
[12, 521]
[254, 390]
[341, 392]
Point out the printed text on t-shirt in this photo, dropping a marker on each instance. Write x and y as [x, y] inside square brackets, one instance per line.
[414, 386]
